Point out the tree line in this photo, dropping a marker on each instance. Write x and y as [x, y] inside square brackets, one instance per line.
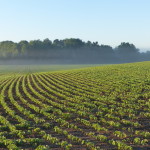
[70, 51]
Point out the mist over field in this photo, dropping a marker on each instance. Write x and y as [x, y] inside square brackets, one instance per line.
[68, 51]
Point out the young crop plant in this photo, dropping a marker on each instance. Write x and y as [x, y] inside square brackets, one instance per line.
[103, 107]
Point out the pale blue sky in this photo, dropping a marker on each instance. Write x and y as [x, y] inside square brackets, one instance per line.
[106, 21]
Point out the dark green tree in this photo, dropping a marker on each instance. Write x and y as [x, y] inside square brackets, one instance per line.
[73, 43]
[127, 52]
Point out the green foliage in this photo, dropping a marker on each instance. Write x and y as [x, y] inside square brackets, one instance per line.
[70, 49]
[83, 108]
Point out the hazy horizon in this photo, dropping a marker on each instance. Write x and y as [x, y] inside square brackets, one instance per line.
[108, 22]
[141, 48]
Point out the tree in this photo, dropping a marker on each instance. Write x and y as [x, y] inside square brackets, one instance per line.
[23, 46]
[47, 44]
[127, 52]
[58, 44]
[126, 49]
[8, 49]
[36, 45]
[73, 43]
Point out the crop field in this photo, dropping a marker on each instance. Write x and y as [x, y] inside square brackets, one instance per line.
[93, 108]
